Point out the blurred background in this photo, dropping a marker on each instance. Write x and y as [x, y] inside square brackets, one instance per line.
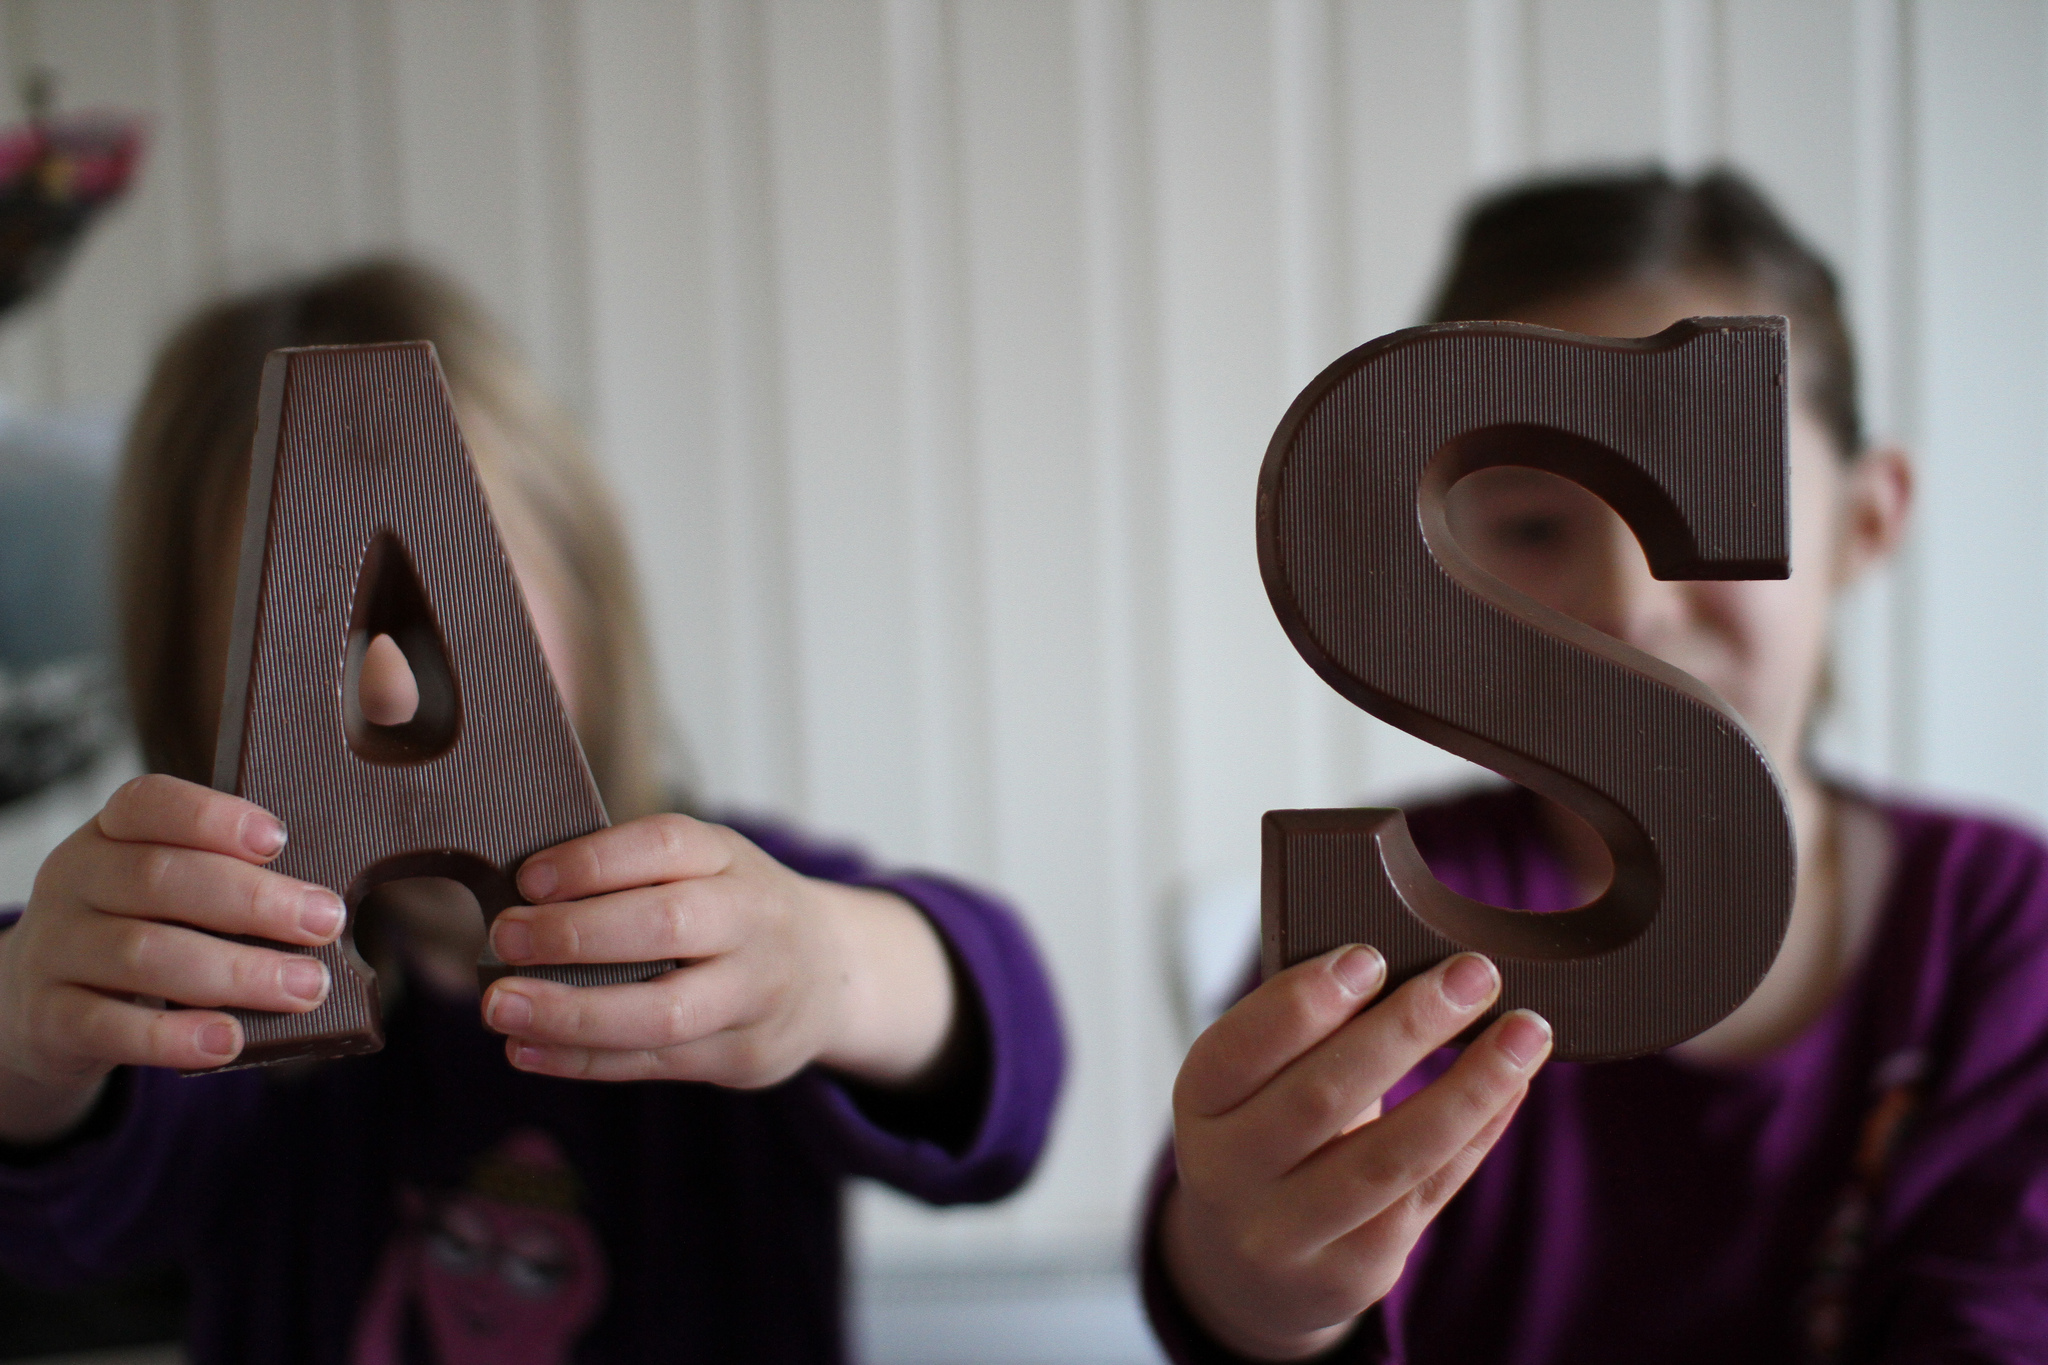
[934, 345]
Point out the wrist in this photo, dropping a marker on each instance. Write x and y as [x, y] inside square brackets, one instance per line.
[894, 993]
[34, 1112]
[1205, 1289]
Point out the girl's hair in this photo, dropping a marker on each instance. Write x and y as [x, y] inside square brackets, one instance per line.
[1539, 241]
[184, 475]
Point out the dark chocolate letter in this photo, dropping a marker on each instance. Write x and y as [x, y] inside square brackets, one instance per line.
[366, 518]
[1683, 434]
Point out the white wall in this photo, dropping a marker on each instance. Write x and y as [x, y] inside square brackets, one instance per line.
[938, 341]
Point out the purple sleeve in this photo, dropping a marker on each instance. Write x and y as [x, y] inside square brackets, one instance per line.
[1959, 1245]
[1010, 1089]
[128, 1197]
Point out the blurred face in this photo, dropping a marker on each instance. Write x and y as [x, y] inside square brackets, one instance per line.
[1760, 645]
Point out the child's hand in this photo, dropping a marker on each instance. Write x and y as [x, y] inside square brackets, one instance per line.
[783, 970]
[108, 922]
[1297, 1203]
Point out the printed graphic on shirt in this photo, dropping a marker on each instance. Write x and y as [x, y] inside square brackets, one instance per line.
[1895, 1090]
[504, 1270]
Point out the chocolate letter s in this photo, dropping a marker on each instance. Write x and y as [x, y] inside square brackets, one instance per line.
[1683, 434]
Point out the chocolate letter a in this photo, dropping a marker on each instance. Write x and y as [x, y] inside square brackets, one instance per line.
[366, 518]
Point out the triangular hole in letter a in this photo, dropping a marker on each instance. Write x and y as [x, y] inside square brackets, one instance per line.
[389, 601]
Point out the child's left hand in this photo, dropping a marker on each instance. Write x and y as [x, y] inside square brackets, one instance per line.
[781, 970]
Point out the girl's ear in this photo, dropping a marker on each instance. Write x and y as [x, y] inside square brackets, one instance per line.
[1876, 506]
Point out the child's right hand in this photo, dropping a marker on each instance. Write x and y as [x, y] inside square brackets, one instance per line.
[1297, 1203]
[114, 916]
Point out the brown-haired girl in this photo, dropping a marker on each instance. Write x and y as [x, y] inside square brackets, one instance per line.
[1852, 1166]
[850, 1022]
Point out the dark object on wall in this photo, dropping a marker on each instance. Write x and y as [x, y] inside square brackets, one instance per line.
[56, 176]
[366, 518]
[59, 703]
[1683, 434]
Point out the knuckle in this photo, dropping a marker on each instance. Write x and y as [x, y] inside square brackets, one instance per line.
[52, 1028]
[137, 952]
[681, 1017]
[672, 836]
[673, 921]
[1482, 1090]
[271, 906]
[1415, 1026]
[248, 974]
[164, 1034]
[1260, 1244]
[1317, 1099]
[1379, 1169]
[156, 873]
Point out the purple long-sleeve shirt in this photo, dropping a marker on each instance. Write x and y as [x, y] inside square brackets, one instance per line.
[431, 1203]
[1876, 1191]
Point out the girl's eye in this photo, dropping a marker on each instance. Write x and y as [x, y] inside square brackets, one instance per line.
[533, 1278]
[455, 1253]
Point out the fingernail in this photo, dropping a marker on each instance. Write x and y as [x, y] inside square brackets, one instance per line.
[217, 1039]
[304, 979]
[1468, 980]
[510, 1011]
[513, 939]
[525, 1056]
[537, 880]
[1358, 969]
[1523, 1036]
[262, 834]
[321, 912]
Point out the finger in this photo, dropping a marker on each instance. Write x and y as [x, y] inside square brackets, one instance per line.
[158, 881]
[1403, 1224]
[1358, 1179]
[688, 919]
[142, 957]
[78, 1022]
[1323, 1092]
[157, 809]
[733, 1058]
[659, 848]
[1283, 1018]
[676, 1007]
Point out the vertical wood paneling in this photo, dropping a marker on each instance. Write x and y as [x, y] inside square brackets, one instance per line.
[273, 87]
[1980, 95]
[935, 345]
[490, 185]
[1221, 354]
[945, 512]
[1315, 305]
[853, 539]
[1498, 61]
[760, 670]
[1598, 81]
[657, 400]
[1693, 61]
[1136, 772]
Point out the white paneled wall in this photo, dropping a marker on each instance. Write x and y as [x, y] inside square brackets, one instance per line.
[935, 344]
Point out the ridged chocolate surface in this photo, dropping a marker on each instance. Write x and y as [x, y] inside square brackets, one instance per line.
[358, 446]
[1684, 434]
